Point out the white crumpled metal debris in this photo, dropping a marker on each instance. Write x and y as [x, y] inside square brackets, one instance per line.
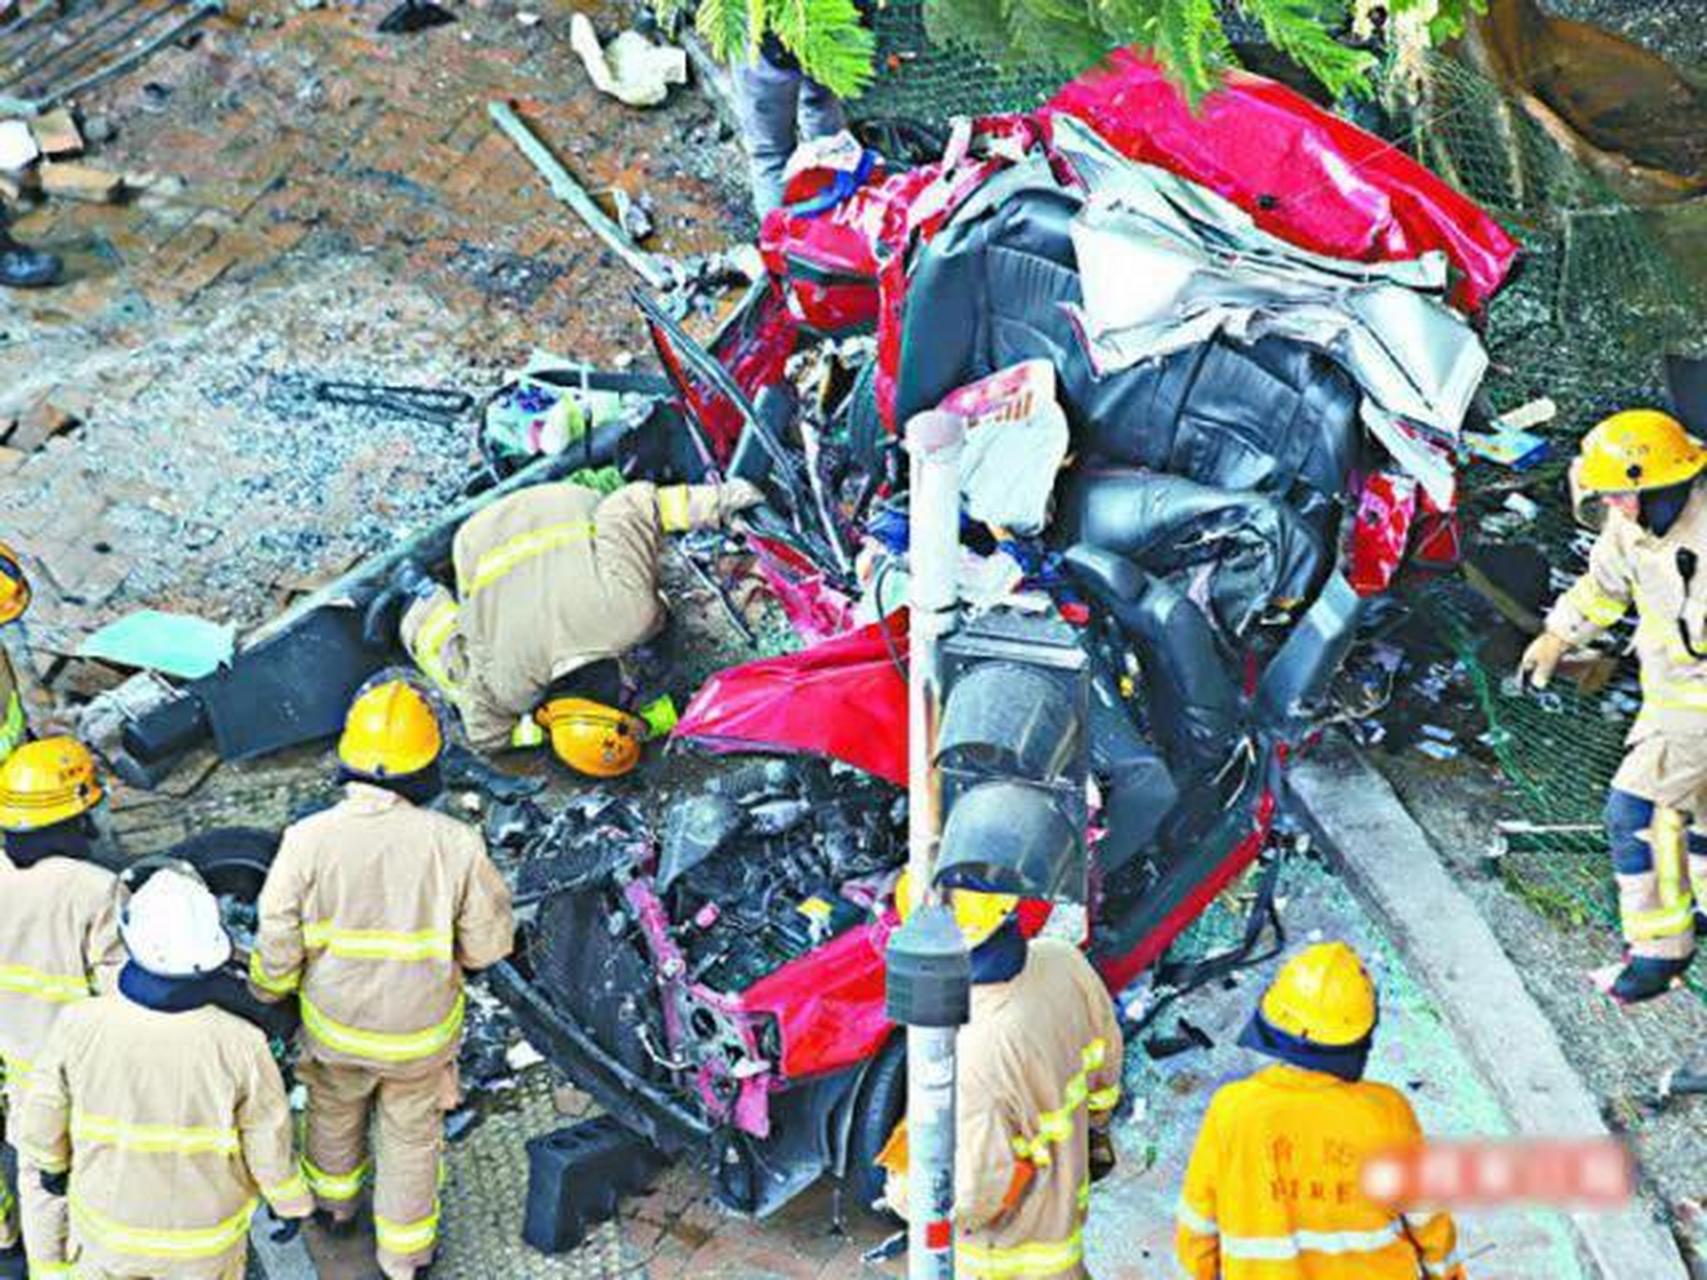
[630, 68]
[1167, 264]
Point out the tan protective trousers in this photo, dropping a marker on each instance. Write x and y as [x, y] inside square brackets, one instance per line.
[235, 1269]
[408, 1146]
[1669, 771]
[430, 635]
[45, 1219]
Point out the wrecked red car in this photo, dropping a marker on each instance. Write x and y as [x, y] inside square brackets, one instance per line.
[1254, 437]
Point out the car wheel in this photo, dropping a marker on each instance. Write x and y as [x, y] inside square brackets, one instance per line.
[233, 860]
[882, 1102]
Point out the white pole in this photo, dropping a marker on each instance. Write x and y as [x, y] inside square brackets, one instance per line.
[934, 442]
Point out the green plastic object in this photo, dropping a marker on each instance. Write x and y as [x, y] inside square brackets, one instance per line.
[660, 715]
[174, 644]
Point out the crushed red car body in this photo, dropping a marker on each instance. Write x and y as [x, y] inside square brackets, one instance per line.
[745, 956]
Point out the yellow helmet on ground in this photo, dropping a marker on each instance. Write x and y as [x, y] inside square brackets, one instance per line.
[978, 912]
[1323, 995]
[45, 782]
[592, 738]
[14, 586]
[391, 730]
[1638, 449]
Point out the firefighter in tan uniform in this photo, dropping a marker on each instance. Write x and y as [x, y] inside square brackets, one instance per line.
[1273, 1190]
[554, 584]
[14, 600]
[59, 944]
[1037, 1080]
[371, 912]
[1646, 473]
[160, 1117]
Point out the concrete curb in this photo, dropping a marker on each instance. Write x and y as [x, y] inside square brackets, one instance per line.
[1390, 864]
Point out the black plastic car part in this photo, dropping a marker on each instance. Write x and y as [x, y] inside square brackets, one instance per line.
[577, 1175]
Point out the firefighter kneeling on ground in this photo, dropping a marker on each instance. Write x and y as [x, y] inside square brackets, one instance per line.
[372, 911]
[1273, 1189]
[1037, 1079]
[554, 585]
[59, 945]
[159, 1117]
[1643, 473]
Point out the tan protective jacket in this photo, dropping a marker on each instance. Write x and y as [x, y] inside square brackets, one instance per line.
[370, 913]
[1038, 1064]
[172, 1126]
[552, 578]
[59, 944]
[1629, 566]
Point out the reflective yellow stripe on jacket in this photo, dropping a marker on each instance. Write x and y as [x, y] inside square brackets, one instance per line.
[428, 649]
[382, 1046]
[976, 1262]
[55, 988]
[1588, 599]
[507, 556]
[154, 1139]
[282, 985]
[1057, 1126]
[158, 1242]
[13, 727]
[674, 512]
[1284, 1248]
[377, 944]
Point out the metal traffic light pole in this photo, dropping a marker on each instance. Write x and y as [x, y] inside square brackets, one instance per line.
[929, 971]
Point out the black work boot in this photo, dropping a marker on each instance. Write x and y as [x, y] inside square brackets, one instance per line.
[1645, 977]
[12, 1265]
[22, 267]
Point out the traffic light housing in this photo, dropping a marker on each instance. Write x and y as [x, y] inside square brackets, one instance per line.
[1013, 754]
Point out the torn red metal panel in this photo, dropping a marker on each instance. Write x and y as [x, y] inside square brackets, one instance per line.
[815, 609]
[1301, 172]
[1386, 511]
[1119, 970]
[755, 351]
[829, 1003]
[842, 698]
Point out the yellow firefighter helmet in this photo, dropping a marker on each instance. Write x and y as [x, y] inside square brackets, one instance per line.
[592, 738]
[48, 781]
[1638, 449]
[978, 912]
[1323, 995]
[14, 586]
[391, 730]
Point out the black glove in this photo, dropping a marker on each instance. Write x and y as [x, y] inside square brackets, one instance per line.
[56, 1184]
[287, 1229]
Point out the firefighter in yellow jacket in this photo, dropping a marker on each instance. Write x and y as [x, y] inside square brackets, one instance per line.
[14, 600]
[1037, 1080]
[371, 912]
[1273, 1190]
[160, 1117]
[59, 944]
[1645, 473]
[554, 584]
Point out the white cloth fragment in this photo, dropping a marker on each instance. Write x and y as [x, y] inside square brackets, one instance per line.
[630, 68]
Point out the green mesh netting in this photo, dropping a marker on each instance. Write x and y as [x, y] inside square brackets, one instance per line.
[1601, 296]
